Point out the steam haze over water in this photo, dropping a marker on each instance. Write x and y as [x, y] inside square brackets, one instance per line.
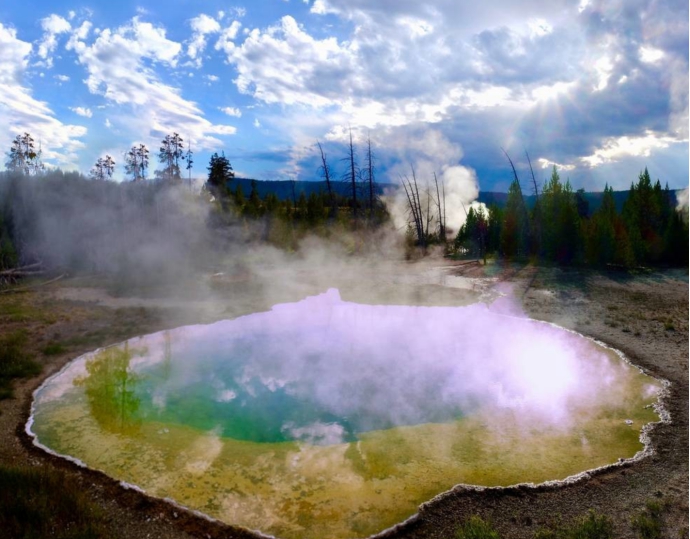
[348, 401]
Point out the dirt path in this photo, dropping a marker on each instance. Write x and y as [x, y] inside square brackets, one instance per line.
[645, 317]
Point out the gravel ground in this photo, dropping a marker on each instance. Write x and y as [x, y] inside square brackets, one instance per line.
[644, 316]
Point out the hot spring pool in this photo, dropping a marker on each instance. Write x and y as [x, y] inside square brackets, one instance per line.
[325, 418]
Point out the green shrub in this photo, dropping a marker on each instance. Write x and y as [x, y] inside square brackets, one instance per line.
[39, 502]
[592, 526]
[476, 528]
[648, 523]
[53, 349]
[15, 362]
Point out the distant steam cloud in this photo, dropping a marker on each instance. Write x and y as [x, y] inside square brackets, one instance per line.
[682, 197]
[461, 190]
[429, 152]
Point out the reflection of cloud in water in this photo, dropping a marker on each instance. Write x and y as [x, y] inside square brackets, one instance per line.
[649, 390]
[316, 433]
[226, 395]
[203, 452]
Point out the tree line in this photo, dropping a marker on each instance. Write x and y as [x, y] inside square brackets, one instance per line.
[53, 219]
[285, 222]
[561, 229]
[25, 158]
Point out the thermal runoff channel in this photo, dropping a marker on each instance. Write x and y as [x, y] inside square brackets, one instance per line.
[325, 418]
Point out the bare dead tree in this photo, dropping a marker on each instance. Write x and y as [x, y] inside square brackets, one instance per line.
[351, 175]
[370, 175]
[443, 190]
[524, 231]
[537, 210]
[515, 176]
[414, 201]
[326, 175]
[441, 207]
[534, 180]
[428, 209]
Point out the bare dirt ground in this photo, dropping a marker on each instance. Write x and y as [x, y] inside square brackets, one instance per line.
[645, 316]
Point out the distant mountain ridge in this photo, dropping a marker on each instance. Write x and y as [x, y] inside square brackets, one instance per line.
[283, 190]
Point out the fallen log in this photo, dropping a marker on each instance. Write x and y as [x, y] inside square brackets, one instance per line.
[19, 270]
[24, 288]
[17, 273]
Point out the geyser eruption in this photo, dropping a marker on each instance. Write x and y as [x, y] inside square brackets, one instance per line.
[329, 418]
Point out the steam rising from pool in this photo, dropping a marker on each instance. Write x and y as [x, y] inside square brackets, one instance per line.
[330, 418]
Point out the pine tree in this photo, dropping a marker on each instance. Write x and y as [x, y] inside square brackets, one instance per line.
[253, 208]
[23, 156]
[514, 239]
[220, 173]
[170, 153]
[137, 162]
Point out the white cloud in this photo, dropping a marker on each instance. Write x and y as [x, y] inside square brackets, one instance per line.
[539, 27]
[257, 123]
[546, 163]
[212, 78]
[226, 41]
[53, 25]
[678, 120]
[613, 149]
[202, 26]
[231, 111]
[553, 91]
[286, 65]
[117, 63]
[603, 68]
[21, 112]
[319, 7]
[415, 27]
[583, 5]
[62, 78]
[82, 111]
[650, 55]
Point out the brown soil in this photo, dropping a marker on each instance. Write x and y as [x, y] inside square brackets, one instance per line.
[646, 317]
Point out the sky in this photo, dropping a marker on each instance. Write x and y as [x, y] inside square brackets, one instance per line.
[598, 88]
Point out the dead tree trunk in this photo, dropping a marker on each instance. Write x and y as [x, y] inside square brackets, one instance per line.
[524, 218]
[537, 211]
[415, 203]
[412, 202]
[326, 174]
[441, 221]
[353, 178]
[370, 171]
